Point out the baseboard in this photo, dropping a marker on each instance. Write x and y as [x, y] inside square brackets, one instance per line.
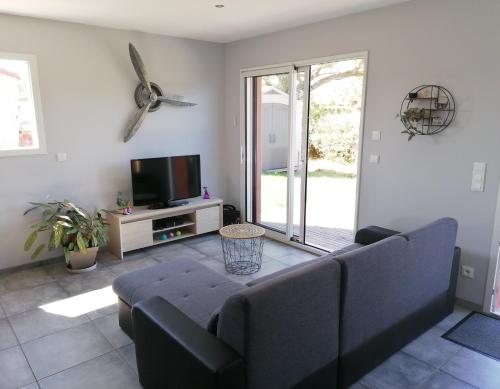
[468, 305]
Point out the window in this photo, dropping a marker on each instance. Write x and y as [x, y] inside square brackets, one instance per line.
[21, 125]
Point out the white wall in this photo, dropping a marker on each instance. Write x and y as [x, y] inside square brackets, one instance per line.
[449, 42]
[87, 84]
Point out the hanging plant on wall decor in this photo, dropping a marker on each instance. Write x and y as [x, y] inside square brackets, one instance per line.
[411, 118]
[427, 110]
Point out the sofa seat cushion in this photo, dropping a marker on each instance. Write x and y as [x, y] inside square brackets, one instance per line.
[193, 288]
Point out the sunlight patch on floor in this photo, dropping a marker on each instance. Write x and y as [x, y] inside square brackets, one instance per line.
[83, 303]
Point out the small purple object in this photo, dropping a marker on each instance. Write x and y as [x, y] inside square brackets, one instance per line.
[206, 195]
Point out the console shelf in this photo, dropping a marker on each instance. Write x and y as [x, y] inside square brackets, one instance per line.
[135, 231]
[174, 227]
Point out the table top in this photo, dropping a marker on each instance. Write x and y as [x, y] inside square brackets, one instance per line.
[242, 231]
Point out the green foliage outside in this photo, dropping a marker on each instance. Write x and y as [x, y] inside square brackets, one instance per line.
[333, 122]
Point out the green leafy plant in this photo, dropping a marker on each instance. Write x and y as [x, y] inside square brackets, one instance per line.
[410, 118]
[71, 227]
[122, 201]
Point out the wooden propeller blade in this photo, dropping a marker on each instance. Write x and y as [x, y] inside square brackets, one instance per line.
[139, 67]
[178, 103]
[136, 122]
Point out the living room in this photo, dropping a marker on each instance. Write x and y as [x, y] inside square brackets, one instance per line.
[91, 92]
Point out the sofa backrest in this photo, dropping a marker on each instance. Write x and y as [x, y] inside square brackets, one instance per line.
[389, 282]
[286, 328]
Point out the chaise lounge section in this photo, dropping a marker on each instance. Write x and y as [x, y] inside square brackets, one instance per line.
[321, 324]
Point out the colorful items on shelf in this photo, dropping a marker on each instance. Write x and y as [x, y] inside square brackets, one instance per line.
[206, 195]
[178, 233]
[124, 204]
[163, 237]
[171, 235]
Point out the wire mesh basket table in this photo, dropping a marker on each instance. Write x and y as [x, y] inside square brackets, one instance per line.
[242, 246]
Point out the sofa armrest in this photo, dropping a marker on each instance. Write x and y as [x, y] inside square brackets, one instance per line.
[372, 234]
[173, 351]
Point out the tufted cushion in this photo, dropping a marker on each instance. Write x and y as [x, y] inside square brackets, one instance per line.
[190, 286]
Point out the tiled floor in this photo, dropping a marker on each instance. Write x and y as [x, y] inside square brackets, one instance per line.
[61, 331]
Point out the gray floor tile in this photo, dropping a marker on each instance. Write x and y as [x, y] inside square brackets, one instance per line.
[62, 350]
[105, 258]
[440, 380]
[103, 311]
[129, 266]
[134, 255]
[34, 324]
[458, 314]
[108, 371]
[86, 282]
[269, 268]
[202, 238]
[25, 279]
[210, 248]
[14, 369]
[297, 258]
[34, 385]
[182, 252]
[167, 246]
[277, 250]
[28, 299]
[2, 313]
[475, 369]
[432, 349]
[108, 325]
[7, 337]
[401, 371]
[57, 270]
[128, 353]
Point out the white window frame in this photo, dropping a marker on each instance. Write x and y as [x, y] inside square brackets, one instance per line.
[37, 100]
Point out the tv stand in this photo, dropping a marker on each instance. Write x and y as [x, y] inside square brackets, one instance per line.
[149, 227]
[177, 203]
[157, 206]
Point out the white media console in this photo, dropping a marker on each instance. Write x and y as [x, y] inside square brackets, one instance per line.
[146, 227]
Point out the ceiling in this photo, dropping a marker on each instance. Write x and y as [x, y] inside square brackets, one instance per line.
[196, 19]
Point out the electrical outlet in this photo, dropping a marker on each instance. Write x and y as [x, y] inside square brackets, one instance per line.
[467, 271]
[376, 135]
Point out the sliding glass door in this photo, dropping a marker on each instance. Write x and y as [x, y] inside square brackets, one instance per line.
[269, 120]
[303, 126]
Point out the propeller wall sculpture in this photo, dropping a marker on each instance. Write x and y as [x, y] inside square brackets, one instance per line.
[148, 95]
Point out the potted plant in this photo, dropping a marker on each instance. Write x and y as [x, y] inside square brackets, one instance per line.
[80, 233]
[410, 118]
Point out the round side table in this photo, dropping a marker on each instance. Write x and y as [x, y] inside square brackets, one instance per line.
[242, 245]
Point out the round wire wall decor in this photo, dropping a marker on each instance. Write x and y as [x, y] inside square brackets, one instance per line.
[427, 110]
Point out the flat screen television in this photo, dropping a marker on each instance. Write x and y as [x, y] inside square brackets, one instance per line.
[163, 182]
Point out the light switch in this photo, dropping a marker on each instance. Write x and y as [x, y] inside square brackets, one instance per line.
[376, 136]
[61, 157]
[478, 176]
[374, 158]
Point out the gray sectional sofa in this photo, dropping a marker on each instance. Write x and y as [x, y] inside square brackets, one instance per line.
[322, 324]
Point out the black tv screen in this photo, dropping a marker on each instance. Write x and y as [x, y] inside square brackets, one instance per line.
[161, 181]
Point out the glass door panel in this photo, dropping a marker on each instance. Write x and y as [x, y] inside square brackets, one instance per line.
[335, 109]
[271, 112]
